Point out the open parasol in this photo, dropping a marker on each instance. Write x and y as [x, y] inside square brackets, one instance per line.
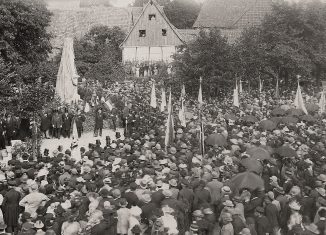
[289, 120]
[246, 180]
[278, 112]
[252, 165]
[250, 119]
[311, 107]
[286, 152]
[267, 125]
[230, 116]
[258, 153]
[295, 112]
[308, 118]
[216, 139]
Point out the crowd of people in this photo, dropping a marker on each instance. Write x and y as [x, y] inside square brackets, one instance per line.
[263, 172]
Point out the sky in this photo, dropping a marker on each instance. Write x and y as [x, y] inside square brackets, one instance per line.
[122, 3]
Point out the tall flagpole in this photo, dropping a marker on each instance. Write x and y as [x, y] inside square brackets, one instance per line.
[200, 100]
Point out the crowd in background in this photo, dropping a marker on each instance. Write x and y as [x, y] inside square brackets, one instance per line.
[263, 171]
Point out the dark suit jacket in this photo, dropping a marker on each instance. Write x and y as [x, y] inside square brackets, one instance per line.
[263, 226]
[131, 198]
[66, 122]
[272, 215]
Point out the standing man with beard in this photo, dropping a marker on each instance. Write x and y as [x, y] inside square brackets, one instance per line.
[66, 124]
[56, 124]
[99, 117]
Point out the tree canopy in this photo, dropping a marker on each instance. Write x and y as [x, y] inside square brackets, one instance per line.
[98, 55]
[26, 77]
[290, 41]
[23, 31]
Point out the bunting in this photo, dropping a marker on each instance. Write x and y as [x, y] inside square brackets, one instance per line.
[153, 97]
[169, 134]
[163, 103]
[299, 102]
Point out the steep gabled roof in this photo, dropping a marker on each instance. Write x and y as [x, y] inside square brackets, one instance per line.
[160, 10]
[229, 14]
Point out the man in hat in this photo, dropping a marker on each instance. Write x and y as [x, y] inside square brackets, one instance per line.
[56, 124]
[262, 223]
[271, 213]
[123, 217]
[99, 117]
[131, 196]
[227, 228]
[66, 124]
[80, 119]
[215, 187]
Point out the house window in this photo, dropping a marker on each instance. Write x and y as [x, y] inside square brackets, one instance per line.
[142, 33]
[163, 32]
[152, 17]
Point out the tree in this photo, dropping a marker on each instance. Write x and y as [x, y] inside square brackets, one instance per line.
[290, 41]
[98, 55]
[208, 57]
[23, 35]
[188, 9]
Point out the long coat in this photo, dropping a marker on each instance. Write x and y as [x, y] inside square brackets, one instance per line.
[57, 120]
[11, 208]
[99, 117]
[123, 220]
[66, 122]
[45, 122]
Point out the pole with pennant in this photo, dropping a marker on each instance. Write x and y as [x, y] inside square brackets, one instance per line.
[163, 103]
[277, 91]
[169, 133]
[200, 101]
[153, 96]
[182, 115]
[322, 102]
[299, 102]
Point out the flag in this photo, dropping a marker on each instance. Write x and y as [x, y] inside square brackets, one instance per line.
[240, 85]
[260, 85]
[183, 92]
[169, 134]
[202, 137]
[200, 94]
[322, 103]
[182, 115]
[299, 102]
[163, 103]
[153, 97]
[236, 97]
[74, 130]
[87, 108]
[277, 92]
[108, 104]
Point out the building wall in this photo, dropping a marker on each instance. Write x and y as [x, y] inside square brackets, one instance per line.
[153, 29]
[148, 54]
